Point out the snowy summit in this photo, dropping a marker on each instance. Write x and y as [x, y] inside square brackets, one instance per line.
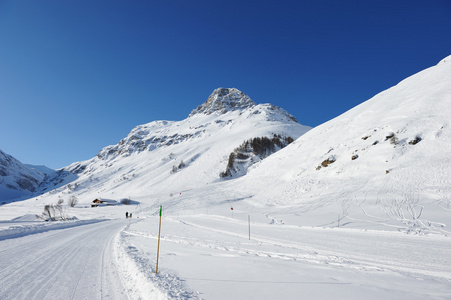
[223, 100]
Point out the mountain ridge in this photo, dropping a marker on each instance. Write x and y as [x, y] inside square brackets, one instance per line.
[222, 101]
[204, 139]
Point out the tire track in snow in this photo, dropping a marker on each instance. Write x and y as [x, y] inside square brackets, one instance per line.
[33, 253]
[61, 264]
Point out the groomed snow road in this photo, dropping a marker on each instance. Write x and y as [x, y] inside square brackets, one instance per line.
[73, 263]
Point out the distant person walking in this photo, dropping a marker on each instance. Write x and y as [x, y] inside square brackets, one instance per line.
[126, 215]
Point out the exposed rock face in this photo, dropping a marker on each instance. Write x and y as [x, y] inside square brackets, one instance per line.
[223, 100]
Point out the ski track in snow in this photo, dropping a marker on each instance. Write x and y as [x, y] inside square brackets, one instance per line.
[361, 251]
[299, 251]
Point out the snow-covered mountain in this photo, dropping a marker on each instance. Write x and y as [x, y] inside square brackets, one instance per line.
[17, 179]
[166, 157]
[383, 164]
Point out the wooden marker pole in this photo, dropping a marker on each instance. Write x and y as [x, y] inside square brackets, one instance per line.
[159, 232]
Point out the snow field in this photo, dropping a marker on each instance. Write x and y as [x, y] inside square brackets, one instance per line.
[211, 257]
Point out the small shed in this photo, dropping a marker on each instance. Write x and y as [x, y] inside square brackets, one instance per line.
[96, 203]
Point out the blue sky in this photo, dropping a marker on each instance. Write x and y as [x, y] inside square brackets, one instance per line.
[76, 76]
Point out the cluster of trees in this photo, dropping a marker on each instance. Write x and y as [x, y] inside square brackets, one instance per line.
[176, 168]
[259, 146]
[264, 146]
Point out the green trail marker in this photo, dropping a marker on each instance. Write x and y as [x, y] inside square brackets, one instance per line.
[159, 232]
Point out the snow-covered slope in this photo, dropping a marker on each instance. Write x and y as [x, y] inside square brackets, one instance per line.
[385, 162]
[16, 179]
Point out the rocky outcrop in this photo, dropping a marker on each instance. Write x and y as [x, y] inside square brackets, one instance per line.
[223, 100]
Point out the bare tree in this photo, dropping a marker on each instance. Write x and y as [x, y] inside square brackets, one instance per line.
[53, 212]
[73, 200]
[49, 212]
[59, 208]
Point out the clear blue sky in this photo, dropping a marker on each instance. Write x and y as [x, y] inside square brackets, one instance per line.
[76, 76]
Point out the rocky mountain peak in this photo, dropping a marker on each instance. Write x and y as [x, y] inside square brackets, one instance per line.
[223, 100]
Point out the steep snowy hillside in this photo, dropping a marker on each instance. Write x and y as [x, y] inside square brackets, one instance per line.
[384, 163]
[166, 157]
[16, 179]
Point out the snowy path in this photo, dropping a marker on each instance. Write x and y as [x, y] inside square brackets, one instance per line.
[73, 263]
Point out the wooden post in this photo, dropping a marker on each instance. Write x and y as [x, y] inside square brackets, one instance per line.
[159, 232]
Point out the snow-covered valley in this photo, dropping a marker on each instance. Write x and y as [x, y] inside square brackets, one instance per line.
[358, 207]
